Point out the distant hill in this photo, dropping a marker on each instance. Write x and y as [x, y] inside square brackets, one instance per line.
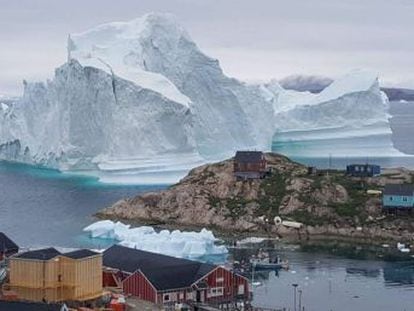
[395, 94]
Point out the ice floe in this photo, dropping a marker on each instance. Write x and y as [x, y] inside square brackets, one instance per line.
[174, 243]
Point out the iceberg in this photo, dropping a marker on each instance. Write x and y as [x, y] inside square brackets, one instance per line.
[139, 102]
[348, 118]
[135, 100]
[175, 243]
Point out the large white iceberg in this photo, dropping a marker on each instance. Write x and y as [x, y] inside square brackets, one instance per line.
[348, 118]
[139, 99]
[174, 243]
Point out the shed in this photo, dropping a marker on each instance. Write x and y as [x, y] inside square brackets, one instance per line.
[400, 196]
[363, 170]
[164, 279]
[250, 165]
[7, 246]
[49, 275]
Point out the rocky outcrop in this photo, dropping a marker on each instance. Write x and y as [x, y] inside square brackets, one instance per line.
[326, 203]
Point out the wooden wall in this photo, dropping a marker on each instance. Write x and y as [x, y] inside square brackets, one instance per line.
[57, 279]
[88, 278]
[230, 282]
[137, 285]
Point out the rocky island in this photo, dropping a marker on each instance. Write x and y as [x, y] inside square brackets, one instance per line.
[326, 203]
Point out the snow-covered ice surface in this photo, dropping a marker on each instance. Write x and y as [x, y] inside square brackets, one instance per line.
[138, 102]
[175, 243]
[348, 118]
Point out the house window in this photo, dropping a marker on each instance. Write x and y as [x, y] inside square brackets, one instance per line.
[390, 198]
[220, 279]
[405, 199]
[241, 289]
[166, 297]
[216, 291]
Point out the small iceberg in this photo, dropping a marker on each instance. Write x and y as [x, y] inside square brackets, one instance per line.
[175, 243]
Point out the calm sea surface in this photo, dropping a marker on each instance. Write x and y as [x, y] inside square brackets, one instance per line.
[45, 208]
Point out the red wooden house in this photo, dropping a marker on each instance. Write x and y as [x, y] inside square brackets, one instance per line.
[250, 165]
[165, 280]
[7, 246]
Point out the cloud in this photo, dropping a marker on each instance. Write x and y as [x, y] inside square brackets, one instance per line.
[254, 40]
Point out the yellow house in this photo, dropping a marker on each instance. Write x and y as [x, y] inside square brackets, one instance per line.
[48, 275]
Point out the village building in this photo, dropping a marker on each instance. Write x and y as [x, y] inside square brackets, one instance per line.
[398, 196]
[166, 280]
[30, 306]
[363, 170]
[250, 165]
[7, 247]
[48, 275]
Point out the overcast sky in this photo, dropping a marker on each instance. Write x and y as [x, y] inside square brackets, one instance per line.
[253, 40]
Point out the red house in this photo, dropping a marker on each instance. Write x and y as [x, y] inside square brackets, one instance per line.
[166, 280]
[250, 165]
[7, 246]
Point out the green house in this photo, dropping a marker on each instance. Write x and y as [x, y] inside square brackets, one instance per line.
[399, 196]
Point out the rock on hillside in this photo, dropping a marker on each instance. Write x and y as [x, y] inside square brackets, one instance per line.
[210, 196]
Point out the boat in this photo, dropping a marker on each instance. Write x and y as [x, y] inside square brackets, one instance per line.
[266, 264]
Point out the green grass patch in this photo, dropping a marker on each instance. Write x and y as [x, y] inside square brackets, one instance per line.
[236, 207]
[272, 192]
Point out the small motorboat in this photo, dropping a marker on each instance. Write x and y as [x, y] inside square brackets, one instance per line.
[266, 264]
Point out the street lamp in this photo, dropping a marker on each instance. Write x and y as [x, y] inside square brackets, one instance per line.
[294, 295]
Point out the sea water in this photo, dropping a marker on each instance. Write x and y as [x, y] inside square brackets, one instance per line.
[42, 207]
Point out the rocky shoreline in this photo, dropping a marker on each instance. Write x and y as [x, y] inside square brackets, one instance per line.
[328, 204]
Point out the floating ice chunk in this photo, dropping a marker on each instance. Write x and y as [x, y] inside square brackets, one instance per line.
[174, 243]
[107, 229]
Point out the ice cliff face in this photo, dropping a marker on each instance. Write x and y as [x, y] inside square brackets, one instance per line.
[140, 97]
[156, 52]
[86, 117]
[348, 118]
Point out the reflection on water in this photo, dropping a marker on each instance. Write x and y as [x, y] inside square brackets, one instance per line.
[363, 271]
[398, 274]
[332, 282]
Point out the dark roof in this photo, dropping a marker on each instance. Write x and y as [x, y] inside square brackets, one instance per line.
[28, 306]
[399, 189]
[41, 254]
[249, 156]
[7, 245]
[165, 278]
[49, 253]
[164, 272]
[79, 254]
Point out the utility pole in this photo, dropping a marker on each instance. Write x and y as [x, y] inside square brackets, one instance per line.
[294, 295]
[300, 299]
